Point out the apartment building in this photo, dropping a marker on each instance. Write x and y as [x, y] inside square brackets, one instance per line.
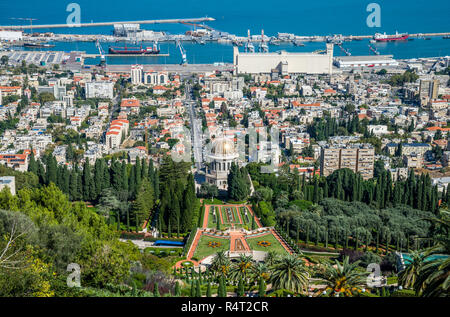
[357, 157]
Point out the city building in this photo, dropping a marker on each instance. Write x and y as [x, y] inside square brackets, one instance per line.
[136, 74]
[357, 157]
[101, 89]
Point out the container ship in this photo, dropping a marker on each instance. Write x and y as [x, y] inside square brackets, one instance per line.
[134, 50]
[390, 38]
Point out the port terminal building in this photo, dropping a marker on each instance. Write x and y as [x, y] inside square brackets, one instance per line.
[283, 62]
[350, 62]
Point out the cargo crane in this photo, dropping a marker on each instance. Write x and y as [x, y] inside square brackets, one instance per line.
[346, 51]
[374, 50]
[263, 48]
[183, 53]
[249, 48]
[102, 54]
[27, 19]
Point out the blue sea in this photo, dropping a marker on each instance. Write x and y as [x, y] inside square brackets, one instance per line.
[320, 17]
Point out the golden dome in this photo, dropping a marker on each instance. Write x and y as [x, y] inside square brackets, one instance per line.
[223, 146]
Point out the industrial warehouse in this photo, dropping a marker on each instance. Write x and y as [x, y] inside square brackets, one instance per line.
[284, 62]
[365, 61]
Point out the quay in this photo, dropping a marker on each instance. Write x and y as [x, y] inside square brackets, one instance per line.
[124, 55]
[95, 24]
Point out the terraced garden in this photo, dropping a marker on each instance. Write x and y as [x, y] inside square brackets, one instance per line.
[209, 245]
[266, 243]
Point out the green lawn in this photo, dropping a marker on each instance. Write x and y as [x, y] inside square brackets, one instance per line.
[211, 223]
[275, 244]
[236, 211]
[203, 250]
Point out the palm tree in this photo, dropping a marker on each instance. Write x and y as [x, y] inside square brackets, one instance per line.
[220, 264]
[434, 275]
[242, 268]
[407, 277]
[260, 270]
[271, 258]
[290, 273]
[344, 279]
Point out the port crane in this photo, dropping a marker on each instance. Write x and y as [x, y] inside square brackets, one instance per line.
[346, 51]
[183, 53]
[374, 50]
[263, 48]
[27, 19]
[102, 54]
[249, 48]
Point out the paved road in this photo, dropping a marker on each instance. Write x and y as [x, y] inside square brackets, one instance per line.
[196, 129]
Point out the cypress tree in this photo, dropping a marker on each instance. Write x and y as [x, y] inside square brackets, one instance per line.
[156, 290]
[240, 290]
[220, 289]
[132, 182]
[198, 291]
[177, 289]
[208, 290]
[87, 181]
[124, 175]
[73, 186]
[51, 171]
[192, 293]
[79, 186]
[261, 287]
[65, 180]
[32, 165]
[138, 174]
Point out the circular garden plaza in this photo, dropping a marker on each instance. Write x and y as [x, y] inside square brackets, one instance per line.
[235, 230]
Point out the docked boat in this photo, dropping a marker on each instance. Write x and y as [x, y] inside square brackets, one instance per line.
[298, 43]
[134, 50]
[447, 37]
[390, 38]
[38, 45]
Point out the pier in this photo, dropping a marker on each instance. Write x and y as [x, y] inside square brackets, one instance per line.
[94, 24]
[125, 55]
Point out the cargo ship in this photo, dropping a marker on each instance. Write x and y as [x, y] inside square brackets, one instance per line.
[390, 38]
[134, 50]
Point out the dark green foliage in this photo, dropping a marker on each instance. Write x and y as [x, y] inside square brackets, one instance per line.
[261, 287]
[238, 183]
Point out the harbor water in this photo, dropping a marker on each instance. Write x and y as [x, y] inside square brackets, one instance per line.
[323, 17]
